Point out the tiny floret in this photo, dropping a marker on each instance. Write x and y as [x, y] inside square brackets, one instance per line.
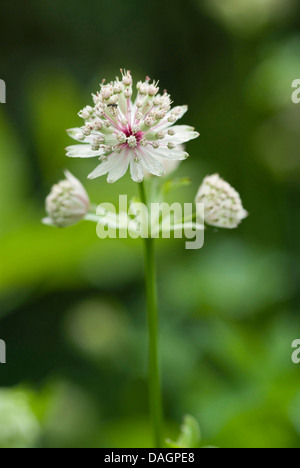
[132, 141]
[153, 90]
[172, 118]
[106, 91]
[127, 79]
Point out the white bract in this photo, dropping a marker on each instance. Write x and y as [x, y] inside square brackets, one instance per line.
[222, 204]
[124, 134]
[169, 165]
[67, 204]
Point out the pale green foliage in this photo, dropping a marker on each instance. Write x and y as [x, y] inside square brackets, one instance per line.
[190, 434]
[19, 427]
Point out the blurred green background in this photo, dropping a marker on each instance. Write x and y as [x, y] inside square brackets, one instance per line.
[72, 308]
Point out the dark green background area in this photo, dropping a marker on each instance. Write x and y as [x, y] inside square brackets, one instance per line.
[72, 309]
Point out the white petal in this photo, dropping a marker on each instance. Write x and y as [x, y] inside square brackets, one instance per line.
[183, 133]
[151, 163]
[120, 166]
[116, 166]
[175, 154]
[102, 169]
[183, 128]
[76, 134]
[136, 170]
[184, 137]
[83, 151]
[181, 111]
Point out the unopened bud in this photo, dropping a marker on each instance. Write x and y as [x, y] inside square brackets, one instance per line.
[222, 204]
[67, 204]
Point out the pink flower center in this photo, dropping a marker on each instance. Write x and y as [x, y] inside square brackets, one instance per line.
[139, 135]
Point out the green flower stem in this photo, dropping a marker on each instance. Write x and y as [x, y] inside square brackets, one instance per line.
[155, 399]
[92, 217]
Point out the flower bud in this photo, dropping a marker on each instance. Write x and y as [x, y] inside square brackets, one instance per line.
[158, 101]
[128, 93]
[160, 135]
[86, 112]
[67, 204]
[114, 99]
[160, 114]
[153, 90]
[98, 124]
[127, 79]
[172, 118]
[143, 87]
[222, 204]
[106, 91]
[132, 141]
[149, 121]
[121, 137]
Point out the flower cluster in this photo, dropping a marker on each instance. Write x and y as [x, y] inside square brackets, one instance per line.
[222, 204]
[125, 133]
[67, 203]
[139, 134]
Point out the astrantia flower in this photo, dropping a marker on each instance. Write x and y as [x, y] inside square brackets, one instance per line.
[67, 204]
[222, 204]
[125, 134]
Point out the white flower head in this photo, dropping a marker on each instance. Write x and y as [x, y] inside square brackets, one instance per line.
[67, 203]
[126, 133]
[222, 204]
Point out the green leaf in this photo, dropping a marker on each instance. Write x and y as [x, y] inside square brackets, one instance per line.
[190, 435]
